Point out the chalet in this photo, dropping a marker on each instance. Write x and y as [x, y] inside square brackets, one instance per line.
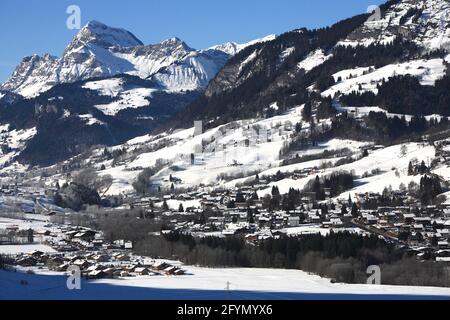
[314, 218]
[160, 266]
[408, 218]
[251, 237]
[36, 254]
[128, 245]
[95, 267]
[131, 268]
[26, 262]
[124, 274]
[170, 270]
[142, 271]
[426, 221]
[43, 232]
[258, 203]
[293, 221]
[443, 233]
[97, 242]
[336, 222]
[207, 205]
[62, 267]
[70, 234]
[96, 274]
[443, 245]
[82, 264]
[87, 235]
[122, 257]
[241, 205]
[179, 272]
[371, 220]
[55, 261]
[111, 272]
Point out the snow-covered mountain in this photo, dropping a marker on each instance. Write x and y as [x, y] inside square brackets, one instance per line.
[232, 47]
[406, 37]
[113, 88]
[101, 51]
[108, 85]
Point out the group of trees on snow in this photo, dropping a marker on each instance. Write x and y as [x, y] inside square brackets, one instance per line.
[86, 188]
[344, 257]
[406, 95]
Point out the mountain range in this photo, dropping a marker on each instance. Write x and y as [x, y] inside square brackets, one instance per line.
[108, 87]
[100, 51]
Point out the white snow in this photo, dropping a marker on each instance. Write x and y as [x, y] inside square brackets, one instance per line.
[313, 60]
[107, 87]
[133, 98]
[15, 139]
[428, 71]
[317, 229]
[393, 167]
[192, 73]
[90, 120]
[430, 29]
[24, 248]
[284, 54]
[202, 283]
[104, 52]
[350, 73]
[225, 147]
[249, 59]
[232, 48]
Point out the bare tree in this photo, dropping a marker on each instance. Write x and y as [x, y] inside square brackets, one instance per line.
[86, 177]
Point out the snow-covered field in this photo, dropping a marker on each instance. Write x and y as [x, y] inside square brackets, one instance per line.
[125, 97]
[206, 283]
[24, 248]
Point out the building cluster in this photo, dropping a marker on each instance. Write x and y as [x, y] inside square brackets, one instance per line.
[424, 230]
[96, 258]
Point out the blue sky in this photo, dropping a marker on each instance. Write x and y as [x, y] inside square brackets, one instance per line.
[28, 27]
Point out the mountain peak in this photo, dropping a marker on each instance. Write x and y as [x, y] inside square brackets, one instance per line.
[172, 40]
[231, 48]
[104, 36]
[175, 42]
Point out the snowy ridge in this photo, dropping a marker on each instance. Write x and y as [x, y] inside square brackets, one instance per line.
[232, 48]
[423, 22]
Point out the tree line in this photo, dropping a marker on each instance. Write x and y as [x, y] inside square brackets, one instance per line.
[343, 257]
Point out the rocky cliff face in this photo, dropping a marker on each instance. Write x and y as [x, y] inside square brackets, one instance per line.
[425, 22]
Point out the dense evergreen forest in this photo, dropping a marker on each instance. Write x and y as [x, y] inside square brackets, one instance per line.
[405, 95]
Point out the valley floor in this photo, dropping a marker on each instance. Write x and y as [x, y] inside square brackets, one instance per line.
[206, 283]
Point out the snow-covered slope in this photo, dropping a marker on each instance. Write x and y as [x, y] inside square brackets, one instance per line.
[313, 60]
[206, 284]
[125, 96]
[367, 79]
[426, 22]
